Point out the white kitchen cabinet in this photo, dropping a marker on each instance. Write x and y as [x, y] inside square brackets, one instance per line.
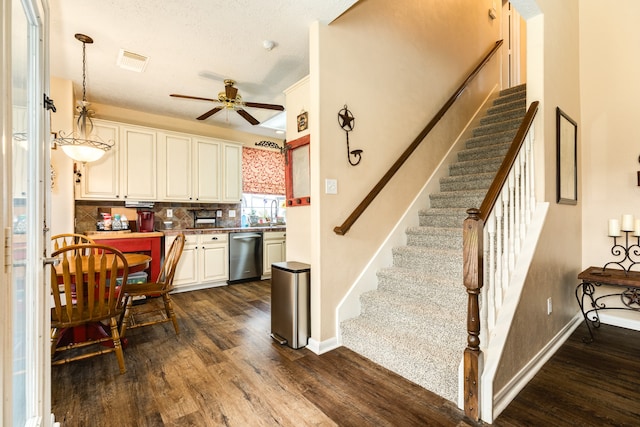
[188, 168]
[232, 173]
[148, 164]
[175, 160]
[204, 261]
[273, 250]
[138, 159]
[100, 180]
[207, 170]
[214, 256]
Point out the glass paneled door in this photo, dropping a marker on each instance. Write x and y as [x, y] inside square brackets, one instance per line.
[24, 304]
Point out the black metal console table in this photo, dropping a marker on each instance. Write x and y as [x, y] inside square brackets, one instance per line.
[626, 283]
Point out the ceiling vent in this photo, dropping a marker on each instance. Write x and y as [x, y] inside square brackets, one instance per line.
[132, 61]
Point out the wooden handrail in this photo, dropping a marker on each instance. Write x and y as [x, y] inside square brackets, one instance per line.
[472, 276]
[509, 159]
[359, 210]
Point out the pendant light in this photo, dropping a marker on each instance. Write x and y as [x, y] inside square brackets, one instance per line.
[82, 145]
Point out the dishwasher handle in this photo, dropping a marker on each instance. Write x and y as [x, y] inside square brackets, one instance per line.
[247, 236]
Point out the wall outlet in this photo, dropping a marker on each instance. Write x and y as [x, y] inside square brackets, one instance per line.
[549, 306]
[219, 214]
[169, 213]
[232, 213]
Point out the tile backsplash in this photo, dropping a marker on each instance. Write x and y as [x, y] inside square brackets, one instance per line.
[86, 214]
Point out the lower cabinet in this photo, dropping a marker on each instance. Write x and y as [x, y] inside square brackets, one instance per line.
[204, 260]
[273, 250]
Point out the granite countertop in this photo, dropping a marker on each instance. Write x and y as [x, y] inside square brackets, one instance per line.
[214, 230]
[121, 234]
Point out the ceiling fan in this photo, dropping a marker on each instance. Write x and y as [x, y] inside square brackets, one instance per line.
[231, 100]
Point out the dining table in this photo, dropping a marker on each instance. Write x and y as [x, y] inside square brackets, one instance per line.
[135, 261]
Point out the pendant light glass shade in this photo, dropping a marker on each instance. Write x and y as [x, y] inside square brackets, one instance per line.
[83, 145]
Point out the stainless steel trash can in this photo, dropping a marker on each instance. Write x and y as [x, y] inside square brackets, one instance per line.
[290, 312]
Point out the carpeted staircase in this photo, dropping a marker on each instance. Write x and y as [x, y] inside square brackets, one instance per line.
[415, 322]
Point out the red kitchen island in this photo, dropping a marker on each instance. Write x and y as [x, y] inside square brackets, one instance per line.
[146, 243]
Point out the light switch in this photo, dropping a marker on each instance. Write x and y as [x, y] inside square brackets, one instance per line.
[169, 213]
[331, 186]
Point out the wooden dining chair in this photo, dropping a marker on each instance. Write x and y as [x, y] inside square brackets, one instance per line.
[63, 240]
[151, 313]
[85, 293]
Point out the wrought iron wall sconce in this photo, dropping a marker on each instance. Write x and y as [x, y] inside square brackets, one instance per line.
[271, 144]
[347, 122]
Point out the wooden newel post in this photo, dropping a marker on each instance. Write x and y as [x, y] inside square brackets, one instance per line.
[472, 277]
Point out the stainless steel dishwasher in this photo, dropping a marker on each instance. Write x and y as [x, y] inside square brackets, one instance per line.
[245, 256]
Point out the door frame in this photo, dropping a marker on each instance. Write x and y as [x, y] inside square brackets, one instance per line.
[37, 400]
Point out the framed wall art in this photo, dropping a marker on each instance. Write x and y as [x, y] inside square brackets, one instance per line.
[566, 158]
[303, 121]
[297, 176]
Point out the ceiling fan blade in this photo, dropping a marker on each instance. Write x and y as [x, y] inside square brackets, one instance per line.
[193, 97]
[248, 117]
[266, 106]
[209, 113]
[230, 92]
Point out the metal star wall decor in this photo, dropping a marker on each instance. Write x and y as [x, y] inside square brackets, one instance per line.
[347, 122]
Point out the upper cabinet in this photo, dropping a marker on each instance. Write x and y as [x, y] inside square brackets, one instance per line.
[154, 165]
[188, 168]
[138, 160]
[232, 169]
[206, 170]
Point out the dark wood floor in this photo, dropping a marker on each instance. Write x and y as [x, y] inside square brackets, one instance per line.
[224, 370]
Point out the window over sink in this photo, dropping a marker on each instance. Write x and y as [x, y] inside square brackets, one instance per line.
[263, 209]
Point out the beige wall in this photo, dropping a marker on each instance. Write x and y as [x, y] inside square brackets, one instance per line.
[298, 217]
[62, 213]
[394, 64]
[609, 61]
[554, 79]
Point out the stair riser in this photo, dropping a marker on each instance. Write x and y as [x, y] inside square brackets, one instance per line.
[501, 116]
[455, 201]
[432, 263]
[479, 184]
[434, 220]
[511, 97]
[427, 292]
[488, 140]
[477, 166]
[496, 128]
[498, 150]
[436, 242]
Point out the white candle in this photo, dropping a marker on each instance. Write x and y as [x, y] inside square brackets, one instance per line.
[614, 228]
[636, 229]
[627, 222]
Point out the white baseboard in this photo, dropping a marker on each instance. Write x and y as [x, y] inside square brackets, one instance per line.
[322, 347]
[619, 319]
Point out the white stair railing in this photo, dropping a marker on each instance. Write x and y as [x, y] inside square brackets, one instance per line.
[503, 236]
[492, 239]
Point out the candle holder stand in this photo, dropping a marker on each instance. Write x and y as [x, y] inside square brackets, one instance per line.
[630, 253]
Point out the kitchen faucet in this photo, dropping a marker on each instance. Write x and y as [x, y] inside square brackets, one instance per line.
[274, 216]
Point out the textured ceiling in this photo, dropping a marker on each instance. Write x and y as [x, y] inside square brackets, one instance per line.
[192, 47]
